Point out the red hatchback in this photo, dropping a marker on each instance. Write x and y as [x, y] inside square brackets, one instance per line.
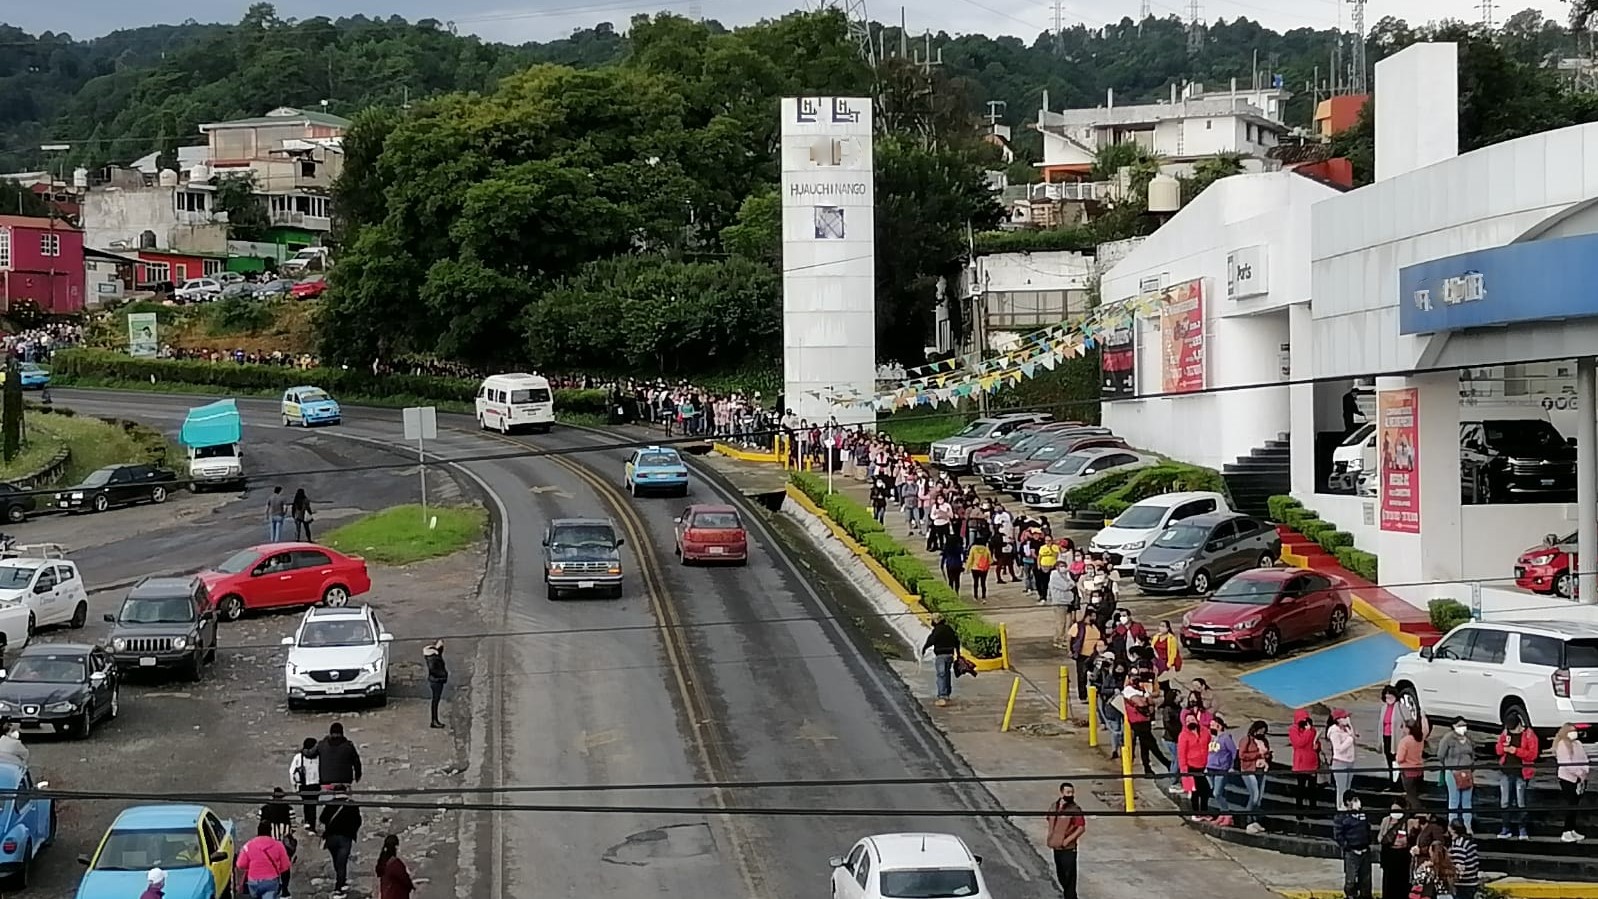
[1263, 610]
[1546, 568]
[279, 575]
[707, 533]
[310, 288]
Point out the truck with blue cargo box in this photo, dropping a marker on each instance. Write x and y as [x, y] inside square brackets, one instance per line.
[213, 435]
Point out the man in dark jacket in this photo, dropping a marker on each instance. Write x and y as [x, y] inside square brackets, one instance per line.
[437, 675]
[1353, 835]
[945, 646]
[339, 762]
[341, 827]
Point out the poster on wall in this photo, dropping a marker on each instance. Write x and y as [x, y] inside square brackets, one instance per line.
[1397, 443]
[142, 339]
[1182, 337]
[1118, 363]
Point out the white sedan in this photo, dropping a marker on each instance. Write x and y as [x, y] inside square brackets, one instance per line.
[909, 864]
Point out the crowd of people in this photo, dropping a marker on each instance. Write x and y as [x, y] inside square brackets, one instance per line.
[239, 356]
[40, 343]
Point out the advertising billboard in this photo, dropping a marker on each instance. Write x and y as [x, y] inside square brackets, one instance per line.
[1118, 362]
[1398, 460]
[1182, 337]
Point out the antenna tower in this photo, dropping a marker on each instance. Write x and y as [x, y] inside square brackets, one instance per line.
[859, 26]
[1488, 14]
[1059, 27]
[1357, 83]
[1195, 27]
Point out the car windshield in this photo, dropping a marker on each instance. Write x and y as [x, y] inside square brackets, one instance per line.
[30, 367]
[141, 850]
[1183, 536]
[658, 459]
[318, 634]
[595, 536]
[13, 577]
[220, 451]
[44, 669]
[1069, 464]
[98, 478]
[929, 883]
[1141, 517]
[313, 396]
[1359, 435]
[1245, 591]
[239, 561]
[1522, 436]
[976, 428]
[1048, 451]
[156, 610]
[717, 521]
[523, 397]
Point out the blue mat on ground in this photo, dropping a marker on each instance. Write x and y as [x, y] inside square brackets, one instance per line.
[1326, 673]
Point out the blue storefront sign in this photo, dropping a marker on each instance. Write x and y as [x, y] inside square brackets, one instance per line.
[1539, 280]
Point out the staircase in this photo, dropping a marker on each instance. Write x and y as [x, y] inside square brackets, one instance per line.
[1265, 472]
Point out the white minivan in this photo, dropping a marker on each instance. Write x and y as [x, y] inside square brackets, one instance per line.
[1134, 529]
[508, 402]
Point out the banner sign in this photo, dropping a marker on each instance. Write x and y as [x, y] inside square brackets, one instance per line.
[143, 341]
[1182, 337]
[1246, 275]
[1397, 444]
[1118, 362]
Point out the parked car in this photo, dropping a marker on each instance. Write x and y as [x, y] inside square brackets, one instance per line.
[1047, 489]
[1265, 610]
[198, 290]
[711, 533]
[1017, 440]
[909, 864]
[337, 653]
[275, 289]
[582, 554]
[16, 505]
[310, 288]
[165, 622]
[1354, 457]
[1515, 461]
[1195, 554]
[65, 687]
[655, 468]
[954, 453]
[1548, 568]
[275, 575]
[1125, 538]
[992, 468]
[118, 485]
[190, 843]
[27, 822]
[1015, 477]
[238, 290]
[39, 578]
[1543, 672]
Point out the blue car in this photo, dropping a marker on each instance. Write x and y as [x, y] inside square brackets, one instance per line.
[307, 406]
[34, 376]
[189, 842]
[27, 822]
[658, 469]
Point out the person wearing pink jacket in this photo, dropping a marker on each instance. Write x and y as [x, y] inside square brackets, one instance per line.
[261, 864]
[1573, 769]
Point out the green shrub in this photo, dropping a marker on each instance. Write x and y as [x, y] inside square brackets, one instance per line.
[1298, 518]
[1279, 505]
[232, 315]
[1447, 614]
[1315, 527]
[814, 488]
[882, 547]
[910, 572]
[977, 634]
[1358, 561]
[854, 518]
[1332, 540]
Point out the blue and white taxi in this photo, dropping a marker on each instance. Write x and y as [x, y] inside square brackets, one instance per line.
[655, 468]
[306, 406]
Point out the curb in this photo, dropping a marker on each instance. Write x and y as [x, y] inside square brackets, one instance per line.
[1520, 890]
[1387, 625]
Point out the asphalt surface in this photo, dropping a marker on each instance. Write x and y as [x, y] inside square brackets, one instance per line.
[758, 683]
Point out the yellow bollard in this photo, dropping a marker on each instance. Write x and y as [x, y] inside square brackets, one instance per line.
[1004, 647]
[1093, 715]
[1065, 692]
[1126, 775]
[1009, 707]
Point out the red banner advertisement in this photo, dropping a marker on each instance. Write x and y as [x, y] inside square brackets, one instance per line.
[1182, 337]
[1398, 446]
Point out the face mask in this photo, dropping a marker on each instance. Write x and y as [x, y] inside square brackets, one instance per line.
[1574, 736]
[1354, 806]
[1460, 729]
[1397, 816]
[1068, 797]
[1192, 726]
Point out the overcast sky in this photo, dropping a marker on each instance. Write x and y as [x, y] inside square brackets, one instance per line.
[505, 20]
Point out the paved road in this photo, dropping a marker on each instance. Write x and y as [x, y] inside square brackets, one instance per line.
[587, 692]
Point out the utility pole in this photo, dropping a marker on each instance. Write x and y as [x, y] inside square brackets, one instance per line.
[1059, 28]
[1357, 83]
[1195, 27]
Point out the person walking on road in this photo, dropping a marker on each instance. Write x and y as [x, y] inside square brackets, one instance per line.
[277, 511]
[1066, 826]
[280, 815]
[978, 561]
[945, 646]
[437, 675]
[1517, 752]
[393, 878]
[155, 884]
[300, 508]
[1353, 836]
[338, 761]
[341, 827]
[305, 774]
[1573, 769]
[1458, 758]
[261, 864]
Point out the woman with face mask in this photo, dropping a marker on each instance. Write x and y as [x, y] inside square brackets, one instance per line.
[1458, 758]
[1222, 759]
[1573, 768]
[1254, 760]
[1192, 749]
[1393, 838]
[1341, 735]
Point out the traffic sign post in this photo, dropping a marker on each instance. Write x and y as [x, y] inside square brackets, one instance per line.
[421, 425]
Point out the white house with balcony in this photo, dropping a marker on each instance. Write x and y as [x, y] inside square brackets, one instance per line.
[294, 157]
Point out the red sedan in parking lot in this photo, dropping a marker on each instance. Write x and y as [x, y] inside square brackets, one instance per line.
[707, 533]
[1264, 610]
[309, 289]
[278, 575]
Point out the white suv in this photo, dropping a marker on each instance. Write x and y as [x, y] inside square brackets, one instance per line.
[337, 653]
[1545, 672]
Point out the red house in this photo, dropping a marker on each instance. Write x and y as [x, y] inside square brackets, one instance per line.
[41, 260]
[157, 266]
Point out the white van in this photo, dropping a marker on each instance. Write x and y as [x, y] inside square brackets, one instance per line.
[1134, 529]
[508, 402]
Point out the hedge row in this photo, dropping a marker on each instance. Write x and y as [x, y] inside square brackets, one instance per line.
[1114, 492]
[1447, 614]
[352, 385]
[1291, 512]
[979, 636]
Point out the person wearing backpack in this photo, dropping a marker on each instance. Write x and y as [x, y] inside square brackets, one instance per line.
[978, 561]
[305, 774]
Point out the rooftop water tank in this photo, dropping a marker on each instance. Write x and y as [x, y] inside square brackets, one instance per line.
[169, 178]
[80, 178]
[1165, 194]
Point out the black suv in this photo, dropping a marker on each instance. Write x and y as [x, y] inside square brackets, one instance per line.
[582, 554]
[117, 485]
[165, 622]
[1515, 461]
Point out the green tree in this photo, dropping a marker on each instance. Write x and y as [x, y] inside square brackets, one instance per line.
[16, 199]
[246, 211]
[757, 234]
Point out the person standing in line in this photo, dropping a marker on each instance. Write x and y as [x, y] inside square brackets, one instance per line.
[1140, 709]
[945, 646]
[1573, 769]
[341, 827]
[1393, 841]
[1085, 642]
[953, 558]
[1409, 758]
[1353, 835]
[1517, 752]
[1218, 766]
[979, 560]
[1193, 753]
[1466, 858]
[261, 864]
[1306, 743]
[300, 508]
[1066, 826]
[1395, 721]
[1458, 758]
[1062, 598]
[1167, 652]
[277, 512]
[1341, 735]
[1048, 558]
[1171, 734]
[1254, 761]
[437, 675]
[393, 878]
[305, 774]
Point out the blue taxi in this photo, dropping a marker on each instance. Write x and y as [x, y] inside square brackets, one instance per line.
[655, 468]
[33, 376]
[189, 842]
[306, 406]
[27, 821]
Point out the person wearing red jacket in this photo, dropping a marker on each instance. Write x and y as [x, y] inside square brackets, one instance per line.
[1517, 752]
[1193, 754]
[1306, 743]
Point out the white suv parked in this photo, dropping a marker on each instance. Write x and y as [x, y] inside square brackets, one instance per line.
[1545, 672]
[337, 653]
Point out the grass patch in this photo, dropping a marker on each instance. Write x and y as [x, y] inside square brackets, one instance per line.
[40, 448]
[399, 535]
[96, 443]
[919, 429]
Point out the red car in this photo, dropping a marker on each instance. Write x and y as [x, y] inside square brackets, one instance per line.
[309, 289]
[280, 575]
[707, 533]
[1263, 610]
[1546, 568]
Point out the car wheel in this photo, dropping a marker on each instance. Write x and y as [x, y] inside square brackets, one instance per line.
[85, 725]
[551, 592]
[1338, 625]
[33, 624]
[116, 704]
[101, 503]
[293, 704]
[1564, 585]
[1410, 703]
[158, 495]
[336, 597]
[1271, 643]
[285, 421]
[16, 514]
[232, 607]
[1201, 581]
[79, 616]
[194, 487]
[24, 876]
[1266, 560]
